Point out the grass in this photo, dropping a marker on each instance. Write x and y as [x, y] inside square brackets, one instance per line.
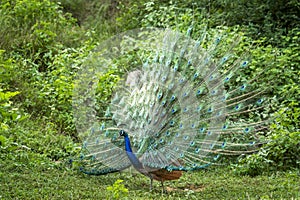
[43, 181]
[30, 173]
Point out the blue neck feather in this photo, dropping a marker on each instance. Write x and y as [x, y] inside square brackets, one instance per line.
[133, 159]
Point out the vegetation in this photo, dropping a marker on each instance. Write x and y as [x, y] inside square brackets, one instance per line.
[55, 183]
[43, 44]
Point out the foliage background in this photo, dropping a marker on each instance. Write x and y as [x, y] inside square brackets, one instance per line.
[43, 44]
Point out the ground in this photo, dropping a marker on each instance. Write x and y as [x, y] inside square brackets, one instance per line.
[59, 182]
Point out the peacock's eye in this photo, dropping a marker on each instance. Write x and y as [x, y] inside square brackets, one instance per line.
[121, 133]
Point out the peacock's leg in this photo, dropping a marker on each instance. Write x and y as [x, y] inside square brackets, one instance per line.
[151, 181]
[163, 189]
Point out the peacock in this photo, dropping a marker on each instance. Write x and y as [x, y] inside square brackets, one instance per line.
[178, 106]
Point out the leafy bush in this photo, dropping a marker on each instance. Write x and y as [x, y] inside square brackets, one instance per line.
[9, 111]
[35, 144]
[283, 149]
[270, 19]
[36, 29]
[22, 139]
[49, 94]
[130, 14]
[118, 190]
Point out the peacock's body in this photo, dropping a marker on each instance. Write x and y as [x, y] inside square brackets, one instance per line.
[178, 111]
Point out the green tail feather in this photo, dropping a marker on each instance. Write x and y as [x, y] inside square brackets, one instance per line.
[183, 104]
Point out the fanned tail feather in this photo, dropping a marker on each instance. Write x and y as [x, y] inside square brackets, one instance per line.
[180, 105]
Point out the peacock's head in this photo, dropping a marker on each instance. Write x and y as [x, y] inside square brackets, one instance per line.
[123, 133]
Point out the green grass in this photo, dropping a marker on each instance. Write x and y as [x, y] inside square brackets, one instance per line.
[42, 181]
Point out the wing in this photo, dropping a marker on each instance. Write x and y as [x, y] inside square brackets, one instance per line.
[103, 152]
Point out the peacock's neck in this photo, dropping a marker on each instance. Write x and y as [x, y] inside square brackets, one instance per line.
[132, 157]
[127, 144]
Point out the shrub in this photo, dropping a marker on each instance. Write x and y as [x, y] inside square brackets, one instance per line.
[9, 111]
[118, 190]
[36, 29]
[283, 149]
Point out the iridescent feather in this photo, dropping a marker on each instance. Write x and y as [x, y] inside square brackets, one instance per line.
[179, 110]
